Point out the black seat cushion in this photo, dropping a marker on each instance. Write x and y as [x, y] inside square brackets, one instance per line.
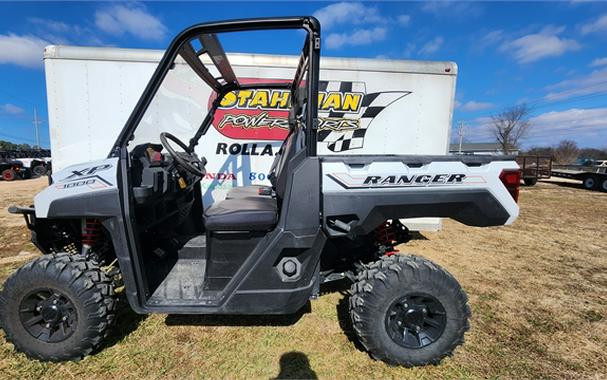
[248, 191]
[242, 214]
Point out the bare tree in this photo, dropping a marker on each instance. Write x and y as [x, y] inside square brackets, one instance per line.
[540, 151]
[592, 153]
[510, 126]
[566, 152]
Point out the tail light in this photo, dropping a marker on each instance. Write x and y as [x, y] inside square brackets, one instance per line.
[512, 181]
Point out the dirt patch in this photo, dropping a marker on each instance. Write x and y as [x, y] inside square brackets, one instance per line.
[538, 291]
[14, 235]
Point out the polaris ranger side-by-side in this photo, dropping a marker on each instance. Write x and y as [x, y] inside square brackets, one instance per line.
[138, 218]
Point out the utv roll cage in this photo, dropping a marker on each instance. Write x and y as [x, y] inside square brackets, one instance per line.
[206, 35]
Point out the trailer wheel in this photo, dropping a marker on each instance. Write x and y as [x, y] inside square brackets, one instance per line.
[590, 183]
[9, 175]
[408, 311]
[39, 170]
[57, 307]
[530, 181]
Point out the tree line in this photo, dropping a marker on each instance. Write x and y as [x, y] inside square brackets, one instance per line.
[7, 145]
[567, 152]
[512, 125]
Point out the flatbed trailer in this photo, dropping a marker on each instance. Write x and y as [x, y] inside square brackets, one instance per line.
[590, 180]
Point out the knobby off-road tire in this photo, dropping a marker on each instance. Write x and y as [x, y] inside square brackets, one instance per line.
[530, 181]
[66, 292]
[39, 170]
[9, 175]
[408, 293]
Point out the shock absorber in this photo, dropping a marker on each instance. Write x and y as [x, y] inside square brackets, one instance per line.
[91, 231]
[385, 236]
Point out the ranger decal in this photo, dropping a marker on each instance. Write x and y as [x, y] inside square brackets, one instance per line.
[401, 180]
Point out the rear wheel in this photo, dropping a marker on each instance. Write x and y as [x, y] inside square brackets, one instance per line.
[58, 307]
[530, 181]
[39, 170]
[604, 185]
[9, 175]
[590, 183]
[408, 311]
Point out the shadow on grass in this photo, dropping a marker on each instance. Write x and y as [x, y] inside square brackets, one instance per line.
[571, 185]
[343, 316]
[343, 312]
[295, 365]
[125, 323]
[237, 320]
[574, 185]
[338, 286]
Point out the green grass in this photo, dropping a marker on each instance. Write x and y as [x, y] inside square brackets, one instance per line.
[314, 344]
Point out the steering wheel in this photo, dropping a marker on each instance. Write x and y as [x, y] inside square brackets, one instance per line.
[188, 160]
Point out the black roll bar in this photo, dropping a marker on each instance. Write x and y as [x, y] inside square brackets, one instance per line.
[204, 31]
[211, 46]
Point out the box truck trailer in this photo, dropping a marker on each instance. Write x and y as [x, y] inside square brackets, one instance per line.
[365, 107]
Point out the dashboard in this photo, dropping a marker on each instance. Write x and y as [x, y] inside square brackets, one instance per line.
[163, 192]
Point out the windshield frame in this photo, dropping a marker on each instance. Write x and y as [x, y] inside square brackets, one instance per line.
[308, 63]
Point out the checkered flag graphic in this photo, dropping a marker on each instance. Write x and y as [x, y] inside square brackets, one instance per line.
[371, 106]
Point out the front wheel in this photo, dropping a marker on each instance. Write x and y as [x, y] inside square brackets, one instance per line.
[9, 175]
[408, 311]
[57, 307]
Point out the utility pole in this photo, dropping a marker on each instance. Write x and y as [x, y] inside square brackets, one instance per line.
[460, 133]
[36, 128]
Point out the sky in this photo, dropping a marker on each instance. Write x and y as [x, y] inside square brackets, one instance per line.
[551, 56]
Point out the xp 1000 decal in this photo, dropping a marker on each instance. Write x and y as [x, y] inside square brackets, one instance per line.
[85, 177]
[345, 111]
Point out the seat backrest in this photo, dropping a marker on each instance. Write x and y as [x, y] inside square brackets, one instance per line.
[278, 159]
[293, 144]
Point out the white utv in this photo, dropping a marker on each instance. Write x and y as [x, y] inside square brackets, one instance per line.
[137, 218]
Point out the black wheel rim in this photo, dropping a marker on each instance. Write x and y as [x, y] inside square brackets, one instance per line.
[48, 315]
[416, 320]
[39, 170]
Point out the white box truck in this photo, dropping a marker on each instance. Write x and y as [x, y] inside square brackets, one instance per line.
[366, 107]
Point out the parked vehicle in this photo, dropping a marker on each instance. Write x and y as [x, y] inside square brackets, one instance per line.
[592, 163]
[11, 169]
[247, 133]
[138, 218]
[36, 161]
